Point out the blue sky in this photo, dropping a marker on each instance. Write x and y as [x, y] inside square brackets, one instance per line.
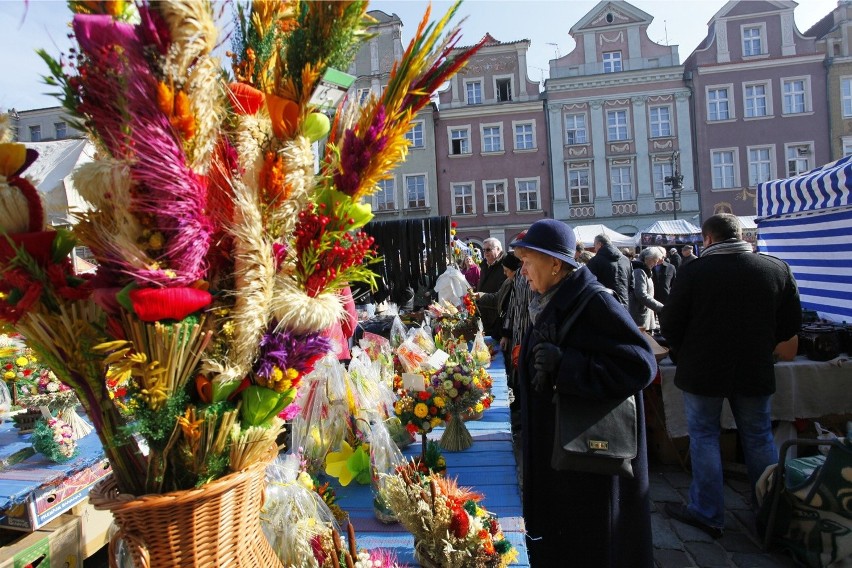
[43, 24]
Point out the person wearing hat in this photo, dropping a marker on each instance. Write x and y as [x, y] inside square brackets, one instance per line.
[500, 301]
[593, 519]
[674, 257]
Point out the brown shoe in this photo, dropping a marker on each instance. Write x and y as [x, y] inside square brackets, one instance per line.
[682, 514]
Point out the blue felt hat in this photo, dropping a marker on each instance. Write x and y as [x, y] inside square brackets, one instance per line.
[553, 238]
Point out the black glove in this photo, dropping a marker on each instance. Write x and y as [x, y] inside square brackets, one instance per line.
[546, 359]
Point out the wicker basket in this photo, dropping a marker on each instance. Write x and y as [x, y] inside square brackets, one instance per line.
[217, 525]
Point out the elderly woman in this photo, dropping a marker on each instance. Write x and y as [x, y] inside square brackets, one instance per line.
[643, 306]
[581, 519]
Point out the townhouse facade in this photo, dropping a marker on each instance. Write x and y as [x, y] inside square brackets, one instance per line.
[491, 146]
[619, 125]
[42, 125]
[759, 111]
[412, 189]
[833, 36]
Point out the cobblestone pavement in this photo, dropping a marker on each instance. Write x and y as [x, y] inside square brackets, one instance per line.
[677, 545]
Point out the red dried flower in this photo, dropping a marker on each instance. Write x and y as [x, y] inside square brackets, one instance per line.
[459, 523]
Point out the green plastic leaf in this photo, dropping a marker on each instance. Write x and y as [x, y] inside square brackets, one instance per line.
[359, 465]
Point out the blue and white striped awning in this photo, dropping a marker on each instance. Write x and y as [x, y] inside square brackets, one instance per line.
[818, 247]
[822, 188]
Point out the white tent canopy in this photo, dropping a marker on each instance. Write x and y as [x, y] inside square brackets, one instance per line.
[665, 233]
[587, 233]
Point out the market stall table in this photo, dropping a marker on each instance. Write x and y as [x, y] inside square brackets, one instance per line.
[35, 491]
[488, 467]
[804, 389]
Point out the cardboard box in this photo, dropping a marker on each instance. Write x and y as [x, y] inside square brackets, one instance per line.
[94, 525]
[56, 545]
[47, 502]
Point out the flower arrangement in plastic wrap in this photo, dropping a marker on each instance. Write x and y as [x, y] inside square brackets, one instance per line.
[451, 528]
[54, 438]
[220, 247]
[463, 384]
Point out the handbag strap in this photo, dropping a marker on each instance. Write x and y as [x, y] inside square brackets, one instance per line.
[593, 289]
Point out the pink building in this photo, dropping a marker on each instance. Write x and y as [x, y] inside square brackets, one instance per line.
[760, 103]
[491, 146]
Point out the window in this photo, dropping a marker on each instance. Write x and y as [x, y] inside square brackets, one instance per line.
[759, 165]
[578, 187]
[798, 159]
[661, 124]
[723, 169]
[415, 135]
[385, 197]
[463, 199]
[616, 125]
[528, 195]
[661, 171]
[504, 90]
[495, 196]
[847, 146]
[61, 130]
[35, 133]
[575, 129]
[795, 97]
[846, 96]
[752, 41]
[459, 141]
[755, 100]
[363, 96]
[492, 139]
[524, 136]
[621, 183]
[474, 92]
[612, 61]
[718, 104]
[415, 190]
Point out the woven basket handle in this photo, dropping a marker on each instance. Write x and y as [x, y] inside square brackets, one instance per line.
[138, 552]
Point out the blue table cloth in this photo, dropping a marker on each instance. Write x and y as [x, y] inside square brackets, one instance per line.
[488, 466]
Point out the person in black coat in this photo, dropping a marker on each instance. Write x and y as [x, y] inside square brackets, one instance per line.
[674, 257]
[491, 277]
[664, 275]
[574, 518]
[611, 268]
[723, 321]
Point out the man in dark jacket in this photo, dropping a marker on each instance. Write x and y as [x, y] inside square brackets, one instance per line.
[611, 268]
[674, 257]
[664, 275]
[723, 320]
[491, 276]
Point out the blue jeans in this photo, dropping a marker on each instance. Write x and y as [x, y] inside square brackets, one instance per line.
[703, 416]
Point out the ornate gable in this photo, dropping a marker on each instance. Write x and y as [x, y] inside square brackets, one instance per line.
[611, 14]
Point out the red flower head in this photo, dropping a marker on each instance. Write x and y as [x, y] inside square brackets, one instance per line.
[459, 523]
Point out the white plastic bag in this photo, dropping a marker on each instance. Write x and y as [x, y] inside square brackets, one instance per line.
[451, 286]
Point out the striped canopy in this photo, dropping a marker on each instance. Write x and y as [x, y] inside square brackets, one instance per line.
[807, 222]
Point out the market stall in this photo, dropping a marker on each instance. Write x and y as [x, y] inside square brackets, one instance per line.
[586, 234]
[804, 389]
[669, 233]
[807, 221]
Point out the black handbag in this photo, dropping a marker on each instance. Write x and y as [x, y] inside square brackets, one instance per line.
[593, 436]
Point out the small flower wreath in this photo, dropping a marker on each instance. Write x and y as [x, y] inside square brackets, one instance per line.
[55, 439]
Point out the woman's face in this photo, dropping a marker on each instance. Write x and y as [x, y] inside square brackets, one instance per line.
[538, 269]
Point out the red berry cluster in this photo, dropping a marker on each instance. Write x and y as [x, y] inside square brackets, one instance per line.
[324, 255]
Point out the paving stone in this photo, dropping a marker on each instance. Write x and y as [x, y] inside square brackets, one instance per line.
[747, 520]
[672, 559]
[761, 561]
[688, 533]
[662, 491]
[738, 542]
[741, 486]
[678, 479]
[708, 555]
[663, 536]
[733, 500]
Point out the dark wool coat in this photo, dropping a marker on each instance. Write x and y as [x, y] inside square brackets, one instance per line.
[490, 279]
[612, 269]
[723, 320]
[582, 519]
[664, 276]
